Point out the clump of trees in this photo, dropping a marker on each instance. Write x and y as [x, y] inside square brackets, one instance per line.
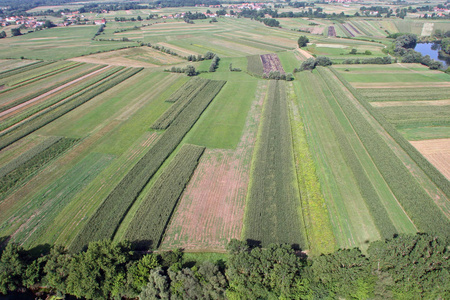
[214, 63]
[189, 70]
[403, 267]
[312, 63]
[277, 75]
[2, 35]
[303, 41]
[403, 47]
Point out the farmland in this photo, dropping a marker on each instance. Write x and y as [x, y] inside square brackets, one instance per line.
[105, 135]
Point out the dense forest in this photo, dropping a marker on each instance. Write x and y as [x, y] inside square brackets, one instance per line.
[404, 267]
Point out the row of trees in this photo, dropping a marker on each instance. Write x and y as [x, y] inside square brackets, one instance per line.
[312, 63]
[404, 267]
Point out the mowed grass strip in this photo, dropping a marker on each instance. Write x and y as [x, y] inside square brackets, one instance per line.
[107, 218]
[415, 200]
[26, 165]
[57, 111]
[436, 177]
[153, 215]
[273, 201]
[255, 65]
[181, 102]
[315, 213]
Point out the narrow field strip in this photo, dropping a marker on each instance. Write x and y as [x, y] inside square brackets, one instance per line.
[211, 210]
[255, 65]
[411, 103]
[57, 111]
[9, 122]
[273, 201]
[435, 176]
[21, 69]
[26, 165]
[318, 226]
[150, 221]
[426, 215]
[52, 91]
[105, 221]
[181, 103]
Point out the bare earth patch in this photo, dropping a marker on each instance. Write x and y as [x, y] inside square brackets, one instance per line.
[437, 152]
[305, 53]
[211, 210]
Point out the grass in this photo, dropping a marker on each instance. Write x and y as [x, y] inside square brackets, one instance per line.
[222, 123]
[425, 132]
[289, 61]
[57, 43]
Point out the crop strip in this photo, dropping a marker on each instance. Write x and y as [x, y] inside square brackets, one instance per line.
[25, 68]
[172, 112]
[365, 186]
[435, 176]
[56, 98]
[273, 213]
[43, 91]
[415, 200]
[255, 65]
[26, 165]
[150, 222]
[56, 111]
[105, 221]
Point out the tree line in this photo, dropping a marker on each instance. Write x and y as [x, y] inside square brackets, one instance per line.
[403, 267]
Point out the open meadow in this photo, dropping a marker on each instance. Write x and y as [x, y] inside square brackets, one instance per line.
[104, 136]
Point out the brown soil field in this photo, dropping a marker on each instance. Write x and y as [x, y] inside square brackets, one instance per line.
[411, 103]
[211, 210]
[398, 85]
[437, 152]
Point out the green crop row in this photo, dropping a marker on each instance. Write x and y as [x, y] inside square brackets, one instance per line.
[13, 164]
[186, 89]
[415, 200]
[56, 111]
[376, 208]
[30, 162]
[172, 112]
[25, 68]
[273, 212]
[25, 81]
[105, 221]
[255, 65]
[435, 176]
[42, 91]
[416, 116]
[148, 225]
[405, 94]
[59, 97]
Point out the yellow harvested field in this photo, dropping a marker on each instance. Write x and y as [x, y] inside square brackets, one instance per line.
[437, 152]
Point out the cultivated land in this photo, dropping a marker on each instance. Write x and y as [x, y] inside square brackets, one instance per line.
[98, 140]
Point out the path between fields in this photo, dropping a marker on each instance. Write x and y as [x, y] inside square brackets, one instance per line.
[305, 53]
[13, 109]
[411, 103]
